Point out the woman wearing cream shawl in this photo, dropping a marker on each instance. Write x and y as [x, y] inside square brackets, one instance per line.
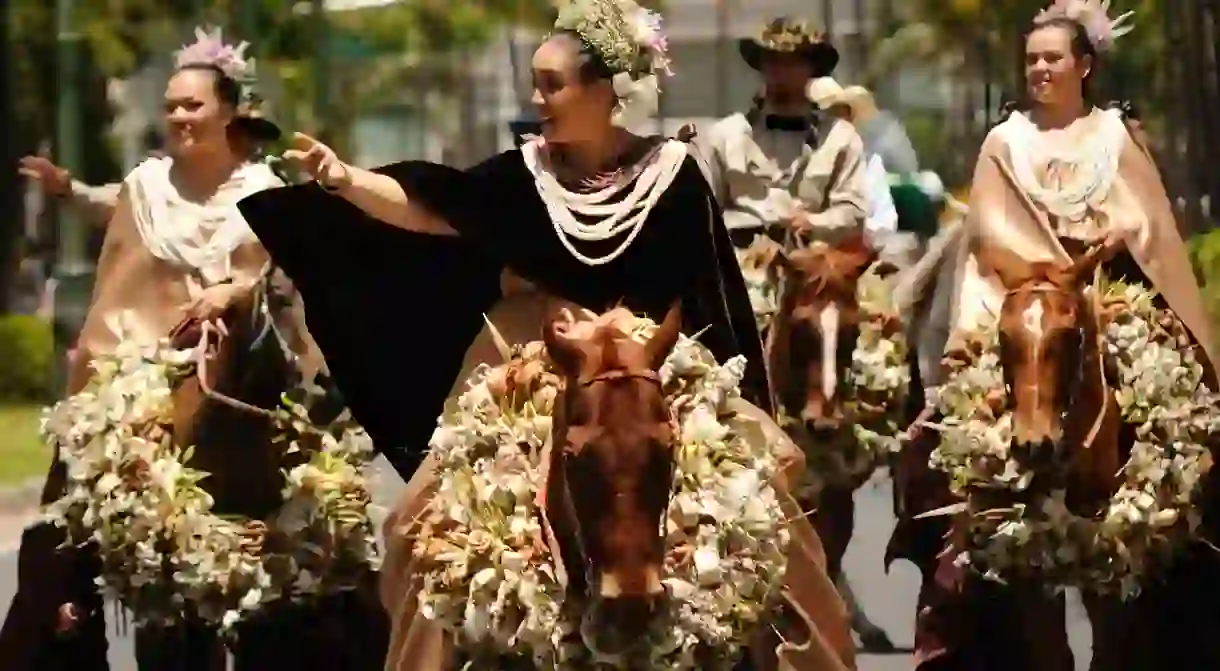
[176, 247]
[1048, 179]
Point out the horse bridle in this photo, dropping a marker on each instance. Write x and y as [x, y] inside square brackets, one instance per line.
[569, 503]
[1076, 380]
[261, 309]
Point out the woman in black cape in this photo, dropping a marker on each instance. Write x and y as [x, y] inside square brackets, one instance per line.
[399, 265]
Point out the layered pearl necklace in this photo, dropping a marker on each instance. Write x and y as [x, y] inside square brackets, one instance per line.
[603, 216]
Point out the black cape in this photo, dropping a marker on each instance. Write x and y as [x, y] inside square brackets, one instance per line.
[394, 311]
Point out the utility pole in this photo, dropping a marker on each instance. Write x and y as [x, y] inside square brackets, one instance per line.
[862, 41]
[74, 274]
[526, 122]
[9, 189]
[322, 71]
[722, 58]
[73, 238]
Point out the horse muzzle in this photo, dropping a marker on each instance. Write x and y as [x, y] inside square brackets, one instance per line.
[617, 621]
[1044, 455]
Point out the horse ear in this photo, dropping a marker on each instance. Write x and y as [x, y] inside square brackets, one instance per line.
[564, 351]
[780, 260]
[666, 336]
[1012, 270]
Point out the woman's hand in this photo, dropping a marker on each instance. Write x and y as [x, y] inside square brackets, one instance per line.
[209, 304]
[319, 162]
[54, 179]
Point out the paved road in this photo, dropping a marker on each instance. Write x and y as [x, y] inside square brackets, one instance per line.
[888, 598]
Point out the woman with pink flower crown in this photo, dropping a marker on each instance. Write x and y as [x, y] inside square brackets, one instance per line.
[1064, 176]
[399, 265]
[176, 249]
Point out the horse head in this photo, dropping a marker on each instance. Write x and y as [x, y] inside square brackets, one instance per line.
[225, 407]
[613, 441]
[817, 326]
[1048, 339]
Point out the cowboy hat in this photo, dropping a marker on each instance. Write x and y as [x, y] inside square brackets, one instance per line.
[825, 92]
[787, 36]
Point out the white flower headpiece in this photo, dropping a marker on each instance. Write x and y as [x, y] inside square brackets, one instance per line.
[630, 41]
[1094, 16]
[209, 48]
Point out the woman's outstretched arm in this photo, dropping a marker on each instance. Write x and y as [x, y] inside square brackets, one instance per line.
[378, 195]
[383, 198]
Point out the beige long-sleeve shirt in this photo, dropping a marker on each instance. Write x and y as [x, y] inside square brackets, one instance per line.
[762, 178]
[95, 203]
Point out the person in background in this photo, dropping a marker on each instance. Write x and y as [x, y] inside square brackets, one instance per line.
[785, 162]
[883, 133]
[94, 204]
[882, 221]
[789, 163]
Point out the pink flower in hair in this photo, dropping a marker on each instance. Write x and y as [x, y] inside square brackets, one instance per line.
[1094, 16]
[209, 48]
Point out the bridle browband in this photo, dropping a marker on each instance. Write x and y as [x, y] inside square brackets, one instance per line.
[620, 374]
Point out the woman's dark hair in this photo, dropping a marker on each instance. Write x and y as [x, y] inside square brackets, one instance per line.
[591, 65]
[228, 91]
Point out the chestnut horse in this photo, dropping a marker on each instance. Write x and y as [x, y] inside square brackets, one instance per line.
[612, 471]
[1066, 429]
[811, 343]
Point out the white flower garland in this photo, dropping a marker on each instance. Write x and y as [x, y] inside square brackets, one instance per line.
[164, 554]
[1149, 517]
[490, 577]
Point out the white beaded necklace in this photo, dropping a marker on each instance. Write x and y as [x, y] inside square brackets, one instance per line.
[608, 218]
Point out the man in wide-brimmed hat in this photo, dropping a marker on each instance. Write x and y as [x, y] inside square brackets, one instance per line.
[788, 164]
[783, 163]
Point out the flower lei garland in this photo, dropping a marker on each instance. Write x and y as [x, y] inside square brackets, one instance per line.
[755, 262]
[164, 553]
[490, 578]
[1149, 517]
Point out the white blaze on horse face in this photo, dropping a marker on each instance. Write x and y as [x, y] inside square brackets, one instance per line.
[608, 585]
[1031, 319]
[828, 319]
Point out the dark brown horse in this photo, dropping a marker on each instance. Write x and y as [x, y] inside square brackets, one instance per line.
[612, 471]
[812, 341]
[224, 408]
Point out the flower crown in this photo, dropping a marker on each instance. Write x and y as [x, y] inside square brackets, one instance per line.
[784, 34]
[209, 48]
[626, 36]
[1093, 16]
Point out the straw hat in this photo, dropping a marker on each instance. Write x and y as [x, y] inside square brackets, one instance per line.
[784, 35]
[825, 92]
